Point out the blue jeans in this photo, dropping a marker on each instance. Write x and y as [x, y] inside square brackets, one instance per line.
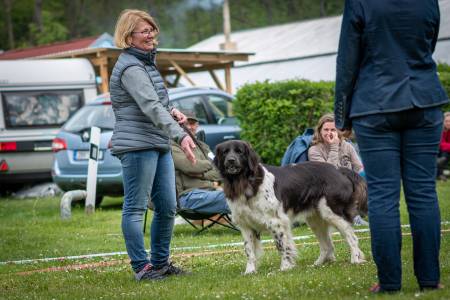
[400, 148]
[205, 201]
[148, 173]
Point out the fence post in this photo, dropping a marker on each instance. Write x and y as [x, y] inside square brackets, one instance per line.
[91, 185]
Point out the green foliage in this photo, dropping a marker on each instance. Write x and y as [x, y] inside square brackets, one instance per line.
[52, 30]
[271, 115]
[444, 76]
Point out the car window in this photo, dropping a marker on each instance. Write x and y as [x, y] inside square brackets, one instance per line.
[222, 110]
[91, 115]
[29, 109]
[192, 106]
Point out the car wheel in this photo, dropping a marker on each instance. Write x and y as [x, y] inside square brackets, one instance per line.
[98, 200]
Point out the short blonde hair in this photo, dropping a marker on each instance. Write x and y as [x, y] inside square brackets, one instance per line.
[446, 114]
[317, 138]
[126, 23]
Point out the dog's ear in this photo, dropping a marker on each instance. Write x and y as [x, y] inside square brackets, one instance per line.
[252, 158]
[218, 157]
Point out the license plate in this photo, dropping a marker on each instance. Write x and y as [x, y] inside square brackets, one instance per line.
[84, 155]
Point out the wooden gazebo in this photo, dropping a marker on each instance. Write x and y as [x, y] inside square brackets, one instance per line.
[178, 62]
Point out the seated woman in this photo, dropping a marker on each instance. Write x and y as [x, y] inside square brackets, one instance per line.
[329, 146]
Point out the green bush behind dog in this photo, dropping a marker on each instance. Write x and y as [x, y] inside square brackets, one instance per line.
[271, 115]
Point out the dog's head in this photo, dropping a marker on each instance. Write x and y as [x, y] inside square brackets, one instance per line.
[235, 158]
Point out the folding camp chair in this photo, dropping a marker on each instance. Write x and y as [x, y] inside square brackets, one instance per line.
[189, 215]
[222, 219]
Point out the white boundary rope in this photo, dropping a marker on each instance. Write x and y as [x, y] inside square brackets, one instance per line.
[174, 249]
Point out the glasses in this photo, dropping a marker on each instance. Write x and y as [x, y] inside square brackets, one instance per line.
[146, 32]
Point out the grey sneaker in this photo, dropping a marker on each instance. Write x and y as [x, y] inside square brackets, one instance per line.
[358, 221]
[150, 273]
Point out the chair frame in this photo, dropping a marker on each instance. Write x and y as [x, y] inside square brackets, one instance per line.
[192, 215]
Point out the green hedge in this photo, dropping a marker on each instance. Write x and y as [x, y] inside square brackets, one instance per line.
[271, 115]
[444, 76]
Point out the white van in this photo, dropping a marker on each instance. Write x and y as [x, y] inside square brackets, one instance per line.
[36, 98]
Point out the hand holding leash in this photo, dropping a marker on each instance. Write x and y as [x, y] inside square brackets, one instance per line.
[178, 116]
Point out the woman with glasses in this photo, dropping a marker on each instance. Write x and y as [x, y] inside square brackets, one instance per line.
[145, 123]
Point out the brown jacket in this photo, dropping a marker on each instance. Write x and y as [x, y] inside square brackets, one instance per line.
[340, 155]
[202, 175]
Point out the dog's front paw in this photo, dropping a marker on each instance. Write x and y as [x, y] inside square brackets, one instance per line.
[251, 269]
[286, 266]
[324, 259]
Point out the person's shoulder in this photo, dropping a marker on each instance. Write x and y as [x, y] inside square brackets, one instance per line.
[315, 147]
[204, 146]
[347, 145]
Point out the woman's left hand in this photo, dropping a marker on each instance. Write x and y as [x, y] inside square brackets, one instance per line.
[188, 145]
[178, 116]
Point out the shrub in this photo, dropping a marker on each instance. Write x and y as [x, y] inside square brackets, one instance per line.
[444, 76]
[271, 115]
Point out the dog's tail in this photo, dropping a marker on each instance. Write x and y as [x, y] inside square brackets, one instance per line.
[359, 190]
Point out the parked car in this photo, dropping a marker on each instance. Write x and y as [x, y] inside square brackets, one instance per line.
[212, 107]
[36, 98]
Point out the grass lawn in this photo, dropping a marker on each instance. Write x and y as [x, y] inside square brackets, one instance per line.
[32, 229]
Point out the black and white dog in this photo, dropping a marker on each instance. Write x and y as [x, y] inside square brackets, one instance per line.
[263, 197]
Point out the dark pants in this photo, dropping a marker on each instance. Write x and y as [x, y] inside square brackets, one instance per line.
[443, 158]
[402, 148]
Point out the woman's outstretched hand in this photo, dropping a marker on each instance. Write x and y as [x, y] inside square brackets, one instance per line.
[187, 144]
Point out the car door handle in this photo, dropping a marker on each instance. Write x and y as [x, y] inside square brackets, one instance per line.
[229, 137]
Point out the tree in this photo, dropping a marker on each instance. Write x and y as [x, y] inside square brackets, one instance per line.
[37, 18]
[52, 30]
[323, 5]
[9, 24]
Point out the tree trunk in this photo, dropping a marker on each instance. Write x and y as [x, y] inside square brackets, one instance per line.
[268, 5]
[37, 18]
[74, 10]
[323, 5]
[9, 24]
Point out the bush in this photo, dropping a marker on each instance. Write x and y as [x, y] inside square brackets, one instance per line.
[444, 76]
[271, 115]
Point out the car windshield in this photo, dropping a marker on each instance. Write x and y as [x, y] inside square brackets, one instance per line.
[91, 115]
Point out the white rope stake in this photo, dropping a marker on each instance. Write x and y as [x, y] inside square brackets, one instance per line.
[91, 185]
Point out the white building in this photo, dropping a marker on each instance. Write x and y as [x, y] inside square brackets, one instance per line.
[305, 49]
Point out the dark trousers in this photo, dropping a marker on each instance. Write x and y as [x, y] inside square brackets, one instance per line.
[443, 158]
[401, 148]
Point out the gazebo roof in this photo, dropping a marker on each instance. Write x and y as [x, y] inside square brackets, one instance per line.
[177, 62]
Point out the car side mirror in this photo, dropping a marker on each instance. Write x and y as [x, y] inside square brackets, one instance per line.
[201, 135]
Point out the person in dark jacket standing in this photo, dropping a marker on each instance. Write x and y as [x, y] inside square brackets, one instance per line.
[387, 88]
[144, 125]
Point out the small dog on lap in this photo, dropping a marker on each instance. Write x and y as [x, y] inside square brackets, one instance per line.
[263, 197]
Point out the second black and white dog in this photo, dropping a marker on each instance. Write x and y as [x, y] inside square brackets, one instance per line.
[263, 197]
